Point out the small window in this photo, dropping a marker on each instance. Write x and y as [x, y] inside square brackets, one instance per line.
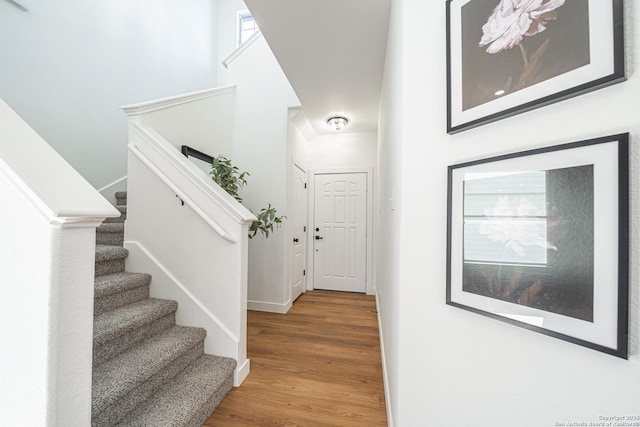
[246, 26]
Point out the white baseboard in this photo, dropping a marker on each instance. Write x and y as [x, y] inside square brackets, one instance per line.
[109, 190]
[270, 307]
[385, 375]
[241, 373]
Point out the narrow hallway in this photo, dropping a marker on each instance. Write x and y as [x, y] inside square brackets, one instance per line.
[318, 365]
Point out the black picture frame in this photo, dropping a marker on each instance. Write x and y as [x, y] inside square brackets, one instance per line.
[491, 76]
[520, 240]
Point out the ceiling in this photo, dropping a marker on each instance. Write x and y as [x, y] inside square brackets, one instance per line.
[332, 52]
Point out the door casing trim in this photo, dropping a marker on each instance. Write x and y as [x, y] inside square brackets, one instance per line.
[302, 168]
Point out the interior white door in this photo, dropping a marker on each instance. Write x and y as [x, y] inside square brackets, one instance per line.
[340, 232]
[299, 231]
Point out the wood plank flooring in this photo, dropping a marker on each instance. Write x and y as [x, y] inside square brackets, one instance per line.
[318, 365]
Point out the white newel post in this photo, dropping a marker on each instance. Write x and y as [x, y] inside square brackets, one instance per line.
[73, 243]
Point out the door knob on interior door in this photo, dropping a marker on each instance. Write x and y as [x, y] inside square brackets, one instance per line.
[319, 237]
[295, 240]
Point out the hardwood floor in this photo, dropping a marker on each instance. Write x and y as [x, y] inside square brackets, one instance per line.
[318, 365]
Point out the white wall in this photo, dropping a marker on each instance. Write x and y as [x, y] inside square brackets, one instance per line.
[446, 366]
[202, 120]
[261, 116]
[389, 190]
[343, 150]
[67, 65]
[300, 133]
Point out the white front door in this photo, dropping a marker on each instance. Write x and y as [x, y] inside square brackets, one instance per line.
[299, 232]
[340, 232]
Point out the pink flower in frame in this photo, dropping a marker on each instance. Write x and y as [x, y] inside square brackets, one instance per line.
[512, 20]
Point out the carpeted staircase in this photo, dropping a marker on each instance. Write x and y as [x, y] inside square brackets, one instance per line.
[147, 371]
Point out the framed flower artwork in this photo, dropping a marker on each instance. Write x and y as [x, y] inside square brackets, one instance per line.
[522, 233]
[505, 57]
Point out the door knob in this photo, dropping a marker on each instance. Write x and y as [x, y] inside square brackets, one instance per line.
[295, 240]
[319, 237]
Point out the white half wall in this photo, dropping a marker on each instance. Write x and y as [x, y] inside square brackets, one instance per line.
[45, 325]
[192, 237]
[202, 120]
[446, 366]
[28, 380]
[67, 66]
[47, 254]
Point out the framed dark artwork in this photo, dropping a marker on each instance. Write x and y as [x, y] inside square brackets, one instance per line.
[505, 57]
[539, 239]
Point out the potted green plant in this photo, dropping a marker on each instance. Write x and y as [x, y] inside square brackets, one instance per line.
[229, 177]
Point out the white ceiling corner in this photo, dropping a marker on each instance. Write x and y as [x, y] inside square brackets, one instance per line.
[332, 52]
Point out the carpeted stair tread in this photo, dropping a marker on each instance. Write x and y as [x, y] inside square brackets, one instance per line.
[147, 371]
[108, 253]
[109, 259]
[111, 227]
[119, 376]
[111, 233]
[189, 398]
[121, 197]
[119, 282]
[113, 323]
[129, 339]
[119, 289]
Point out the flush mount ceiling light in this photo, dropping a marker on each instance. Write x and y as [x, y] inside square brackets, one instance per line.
[337, 122]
